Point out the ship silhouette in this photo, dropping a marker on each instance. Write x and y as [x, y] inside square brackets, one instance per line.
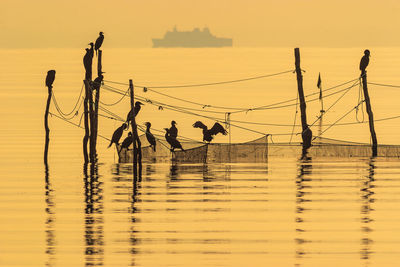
[195, 38]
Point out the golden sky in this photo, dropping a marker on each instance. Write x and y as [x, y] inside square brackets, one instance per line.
[132, 23]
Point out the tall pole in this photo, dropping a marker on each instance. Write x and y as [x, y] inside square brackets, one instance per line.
[86, 122]
[306, 133]
[133, 126]
[46, 124]
[370, 115]
[96, 101]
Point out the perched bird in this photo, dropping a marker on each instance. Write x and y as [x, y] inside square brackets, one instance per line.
[127, 141]
[117, 134]
[150, 137]
[51, 75]
[87, 62]
[173, 131]
[136, 108]
[99, 42]
[172, 141]
[91, 51]
[97, 82]
[208, 133]
[364, 61]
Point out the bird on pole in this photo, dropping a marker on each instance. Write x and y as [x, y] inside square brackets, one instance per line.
[364, 61]
[150, 137]
[51, 75]
[99, 42]
[118, 134]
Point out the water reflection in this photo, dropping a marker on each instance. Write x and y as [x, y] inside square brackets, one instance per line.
[367, 200]
[50, 220]
[302, 184]
[94, 232]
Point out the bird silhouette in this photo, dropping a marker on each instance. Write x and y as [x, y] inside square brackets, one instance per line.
[209, 133]
[97, 82]
[172, 141]
[136, 108]
[127, 141]
[99, 42]
[173, 131]
[51, 75]
[364, 61]
[150, 137]
[87, 62]
[117, 134]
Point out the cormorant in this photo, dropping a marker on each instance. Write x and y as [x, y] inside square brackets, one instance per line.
[208, 134]
[87, 62]
[99, 42]
[150, 137]
[117, 134]
[91, 49]
[172, 141]
[136, 108]
[97, 82]
[173, 131]
[51, 75]
[364, 61]
[127, 141]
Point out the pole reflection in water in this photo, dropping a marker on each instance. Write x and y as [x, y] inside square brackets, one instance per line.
[50, 220]
[303, 177]
[94, 233]
[367, 200]
[133, 241]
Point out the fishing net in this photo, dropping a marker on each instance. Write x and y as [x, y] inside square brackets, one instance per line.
[255, 151]
[196, 152]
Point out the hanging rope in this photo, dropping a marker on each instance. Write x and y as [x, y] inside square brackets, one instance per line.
[210, 83]
[74, 111]
[61, 118]
[295, 118]
[118, 101]
[360, 98]
[347, 113]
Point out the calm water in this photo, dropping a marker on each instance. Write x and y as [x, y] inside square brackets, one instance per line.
[285, 212]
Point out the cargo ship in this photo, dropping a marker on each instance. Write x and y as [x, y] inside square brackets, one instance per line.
[194, 38]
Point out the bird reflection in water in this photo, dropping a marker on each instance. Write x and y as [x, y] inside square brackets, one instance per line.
[50, 220]
[304, 171]
[367, 200]
[94, 232]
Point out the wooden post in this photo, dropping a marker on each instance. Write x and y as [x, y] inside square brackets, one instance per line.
[96, 103]
[46, 124]
[306, 133]
[370, 115]
[133, 126]
[92, 146]
[86, 122]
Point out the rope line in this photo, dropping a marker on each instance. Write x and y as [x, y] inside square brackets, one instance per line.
[385, 85]
[118, 101]
[55, 115]
[334, 103]
[209, 84]
[295, 118]
[347, 113]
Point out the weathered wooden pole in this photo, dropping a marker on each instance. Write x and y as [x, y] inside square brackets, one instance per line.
[306, 133]
[133, 126]
[370, 115]
[86, 122]
[96, 101]
[49, 83]
[92, 146]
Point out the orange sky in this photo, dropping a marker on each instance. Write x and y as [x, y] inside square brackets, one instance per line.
[132, 23]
